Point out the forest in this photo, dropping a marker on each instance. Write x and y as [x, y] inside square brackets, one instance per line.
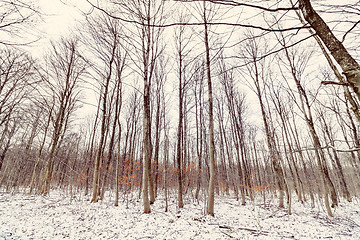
[183, 99]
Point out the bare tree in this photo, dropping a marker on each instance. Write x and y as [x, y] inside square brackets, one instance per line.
[17, 19]
[17, 80]
[296, 63]
[105, 45]
[120, 65]
[160, 76]
[329, 137]
[258, 74]
[144, 49]
[63, 76]
[282, 111]
[210, 203]
[182, 41]
[48, 110]
[199, 95]
[236, 107]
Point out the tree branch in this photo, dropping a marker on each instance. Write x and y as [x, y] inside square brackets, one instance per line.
[174, 24]
[326, 147]
[348, 31]
[334, 83]
[237, 4]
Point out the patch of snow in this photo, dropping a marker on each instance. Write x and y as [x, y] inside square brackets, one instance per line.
[60, 216]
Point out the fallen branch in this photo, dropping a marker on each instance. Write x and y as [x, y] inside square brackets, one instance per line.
[227, 234]
[274, 213]
[253, 230]
[328, 146]
[224, 226]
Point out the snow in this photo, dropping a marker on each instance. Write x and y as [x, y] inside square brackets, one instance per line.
[62, 216]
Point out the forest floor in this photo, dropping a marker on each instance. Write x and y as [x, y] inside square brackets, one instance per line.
[61, 216]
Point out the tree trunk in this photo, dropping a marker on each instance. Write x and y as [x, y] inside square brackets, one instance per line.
[350, 67]
[179, 148]
[211, 197]
[199, 138]
[147, 148]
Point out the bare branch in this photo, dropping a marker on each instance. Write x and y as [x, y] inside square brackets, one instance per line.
[174, 24]
[348, 31]
[238, 4]
[334, 83]
[326, 147]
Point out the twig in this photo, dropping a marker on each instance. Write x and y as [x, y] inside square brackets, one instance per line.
[327, 146]
[227, 234]
[224, 226]
[283, 236]
[274, 213]
[253, 230]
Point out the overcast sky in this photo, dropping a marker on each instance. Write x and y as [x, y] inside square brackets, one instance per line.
[59, 16]
[59, 19]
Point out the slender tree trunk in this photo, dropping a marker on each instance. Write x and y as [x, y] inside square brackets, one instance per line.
[211, 197]
[179, 148]
[116, 203]
[338, 166]
[199, 148]
[166, 157]
[100, 150]
[157, 142]
[147, 148]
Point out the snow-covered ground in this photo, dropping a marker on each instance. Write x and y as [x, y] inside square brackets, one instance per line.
[60, 216]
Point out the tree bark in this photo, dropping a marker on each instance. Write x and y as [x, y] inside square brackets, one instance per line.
[211, 197]
[147, 148]
[351, 69]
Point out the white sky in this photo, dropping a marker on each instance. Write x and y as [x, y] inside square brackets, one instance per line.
[59, 16]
